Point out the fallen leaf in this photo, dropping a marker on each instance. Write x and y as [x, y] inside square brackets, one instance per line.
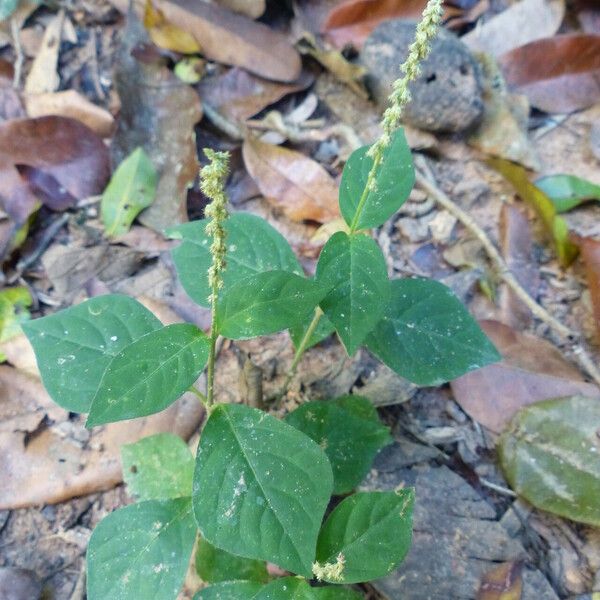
[233, 39]
[568, 191]
[531, 370]
[521, 23]
[502, 583]
[550, 455]
[158, 113]
[190, 69]
[71, 103]
[352, 21]
[165, 34]
[590, 253]
[560, 74]
[250, 8]
[238, 95]
[502, 130]
[291, 182]
[14, 303]
[555, 225]
[11, 106]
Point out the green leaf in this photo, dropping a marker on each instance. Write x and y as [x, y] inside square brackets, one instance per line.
[336, 592]
[350, 432]
[131, 189]
[354, 269]
[568, 191]
[265, 303]
[394, 181]
[260, 487]
[427, 335]
[141, 551]
[214, 565]
[230, 590]
[158, 467]
[74, 346]
[324, 329]
[293, 588]
[366, 536]
[550, 454]
[150, 374]
[13, 311]
[253, 246]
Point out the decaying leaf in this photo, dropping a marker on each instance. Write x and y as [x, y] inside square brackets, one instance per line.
[568, 191]
[502, 583]
[293, 183]
[590, 253]
[559, 74]
[521, 23]
[165, 34]
[550, 455]
[531, 370]
[233, 39]
[554, 224]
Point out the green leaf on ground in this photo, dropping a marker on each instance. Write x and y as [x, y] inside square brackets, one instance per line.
[73, 347]
[14, 303]
[393, 183]
[365, 537]
[353, 268]
[230, 590]
[428, 336]
[141, 551]
[215, 565]
[150, 374]
[324, 329]
[253, 246]
[131, 189]
[550, 454]
[349, 431]
[266, 303]
[158, 467]
[568, 191]
[260, 487]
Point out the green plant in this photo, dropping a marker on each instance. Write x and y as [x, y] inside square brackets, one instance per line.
[259, 487]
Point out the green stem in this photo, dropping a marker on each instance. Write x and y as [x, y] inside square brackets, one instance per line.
[210, 373]
[200, 395]
[365, 193]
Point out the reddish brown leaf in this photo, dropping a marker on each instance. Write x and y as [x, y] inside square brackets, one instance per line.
[502, 583]
[353, 20]
[558, 74]
[238, 95]
[531, 370]
[590, 252]
[233, 39]
[294, 184]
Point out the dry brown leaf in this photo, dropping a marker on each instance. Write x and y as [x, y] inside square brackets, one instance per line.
[239, 95]
[531, 370]
[233, 39]
[293, 183]
[560, 74]
[165, 34]
[250, 8]
[590, 253]
[71, 103]
[502, 583]
[521, 23]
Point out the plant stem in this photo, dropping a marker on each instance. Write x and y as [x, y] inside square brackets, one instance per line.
[200, 395]
[365, 193]
[210, 373]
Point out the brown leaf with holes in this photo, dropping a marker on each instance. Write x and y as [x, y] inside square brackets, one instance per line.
[532, 369]
[238, 95]
[233, 39]
[559, 74]
[590, 253]
[294, 184]
[502, 583]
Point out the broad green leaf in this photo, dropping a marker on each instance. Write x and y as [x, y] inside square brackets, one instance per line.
[427, 335]
[141, 551]
[555, 225]
[354, 269]
[265, 303]
[293, 588]
[158, 467]
[393, 183]
[150, 374]
[568, 191]
[131, 189]
[365, 537]
[253, 246]
[13, 311]
[260, 487]
[230, 590]
[74, 346]
[550, 454]
[214, 565]
[324, 329]
[349, 431]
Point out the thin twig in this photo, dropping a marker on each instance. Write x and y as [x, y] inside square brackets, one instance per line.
[427, 182]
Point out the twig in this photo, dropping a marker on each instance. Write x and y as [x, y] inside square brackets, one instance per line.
[427, 182]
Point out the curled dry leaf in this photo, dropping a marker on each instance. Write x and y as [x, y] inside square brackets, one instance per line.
[293, 183]
[590, 253]
[521, 23]
[233, 39]
[560, 74]
[165, 34]
[531, 370]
